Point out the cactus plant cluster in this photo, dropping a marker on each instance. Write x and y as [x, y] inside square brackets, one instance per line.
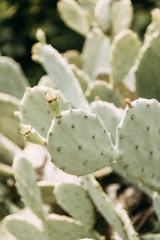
[76, 113]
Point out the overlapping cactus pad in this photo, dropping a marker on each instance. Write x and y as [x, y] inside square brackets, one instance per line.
[138, 137]
[75, 200]
[79, 143]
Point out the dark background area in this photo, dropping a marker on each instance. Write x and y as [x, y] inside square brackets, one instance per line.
[19, 20]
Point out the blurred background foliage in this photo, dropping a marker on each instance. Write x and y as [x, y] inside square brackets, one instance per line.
[19, 20]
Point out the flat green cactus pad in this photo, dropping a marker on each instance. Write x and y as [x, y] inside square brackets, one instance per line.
[104, 205]
[103, 91]
[147, 73]
[122, 14]
[12, 79]
[61, 227]
[22, 229]
[8, 150]
[26, 185]
[140, 152]
[124, 50]
[34, 109]
[61, 74]
[79, 143]
[9, 124]
[74, 16]
[103, 14]
[95, 52]
[109, 114]
[88, 5]
[76, 202]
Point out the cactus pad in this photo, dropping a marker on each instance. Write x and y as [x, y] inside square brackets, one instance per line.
[93, 60]
[103, 14]
[74, 16]
[61, 227]
[26, 185]
[147, 73]
[64, 80]
[8, 150]
[139, 155]
[76, 202]
[9, 124]
[12, 78]
[22, 229]
[79, 143]
[123, 55]
[122, 14]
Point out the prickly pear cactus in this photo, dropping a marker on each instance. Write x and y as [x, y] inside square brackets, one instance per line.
[138, 154]
[74, 16]
[9, 123]
[122, 14]
[75, 200]
[26, 185]
[147, 71]
[8, 150]
[123, 55]
[85, 146]
[93, 60]
[12, 79]
[62, 227]
[22, 229]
